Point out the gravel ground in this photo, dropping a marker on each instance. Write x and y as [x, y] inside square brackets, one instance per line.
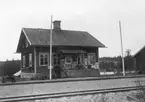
[109, 97]
[57, 87]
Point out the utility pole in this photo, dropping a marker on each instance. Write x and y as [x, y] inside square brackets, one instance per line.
[50, 63]
[122, 49]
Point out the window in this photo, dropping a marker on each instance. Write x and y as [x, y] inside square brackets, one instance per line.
[30, 60]
[80, 59]
[55, 59]
[23, 61]
[91, 58]
[43, 59]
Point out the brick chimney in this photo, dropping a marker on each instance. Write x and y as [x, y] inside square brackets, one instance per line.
[56, 25]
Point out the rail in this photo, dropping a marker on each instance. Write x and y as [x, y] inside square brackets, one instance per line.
[67, 94]
[56, 88]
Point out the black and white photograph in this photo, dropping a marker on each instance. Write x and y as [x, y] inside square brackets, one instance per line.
[72, 51]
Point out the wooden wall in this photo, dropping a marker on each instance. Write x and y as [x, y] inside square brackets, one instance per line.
[44, 69]
[140, 60]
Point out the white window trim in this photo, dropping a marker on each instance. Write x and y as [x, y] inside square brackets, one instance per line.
[30, 62]
[43, 53]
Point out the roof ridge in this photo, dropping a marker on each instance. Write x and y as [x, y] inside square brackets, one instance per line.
[49, 29]
[76, 30]
[36, 28]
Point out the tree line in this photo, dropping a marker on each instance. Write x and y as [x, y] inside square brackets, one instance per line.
[115, 63]
[9, 67]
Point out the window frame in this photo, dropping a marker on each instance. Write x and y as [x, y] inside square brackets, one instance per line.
[43, 54]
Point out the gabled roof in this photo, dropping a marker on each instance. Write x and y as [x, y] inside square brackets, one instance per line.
[40, 37]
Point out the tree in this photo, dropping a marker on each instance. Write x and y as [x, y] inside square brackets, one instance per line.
[128, 60]
[128, 52]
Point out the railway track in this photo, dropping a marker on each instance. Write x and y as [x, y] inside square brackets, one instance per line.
[67, 88]
[66, 94]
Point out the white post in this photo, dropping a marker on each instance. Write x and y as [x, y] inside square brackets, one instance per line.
[50, 66]
[122, 49]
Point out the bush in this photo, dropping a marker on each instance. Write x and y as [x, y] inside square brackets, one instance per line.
[80, 67]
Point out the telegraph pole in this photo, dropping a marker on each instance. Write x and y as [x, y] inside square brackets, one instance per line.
[122, 49]
[50, 63]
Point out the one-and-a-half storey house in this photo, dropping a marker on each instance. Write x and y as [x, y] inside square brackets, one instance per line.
[74, 53]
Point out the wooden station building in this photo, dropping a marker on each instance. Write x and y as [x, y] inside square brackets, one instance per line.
[77, 52]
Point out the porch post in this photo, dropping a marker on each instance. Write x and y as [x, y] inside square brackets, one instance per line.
[21, 65]
[98, 58]
[35, 69]
[98, 54]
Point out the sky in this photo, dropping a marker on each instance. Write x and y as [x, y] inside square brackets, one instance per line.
[98, 17]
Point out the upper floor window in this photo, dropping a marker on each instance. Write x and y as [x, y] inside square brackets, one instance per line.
[43, 59]
[30, 60]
